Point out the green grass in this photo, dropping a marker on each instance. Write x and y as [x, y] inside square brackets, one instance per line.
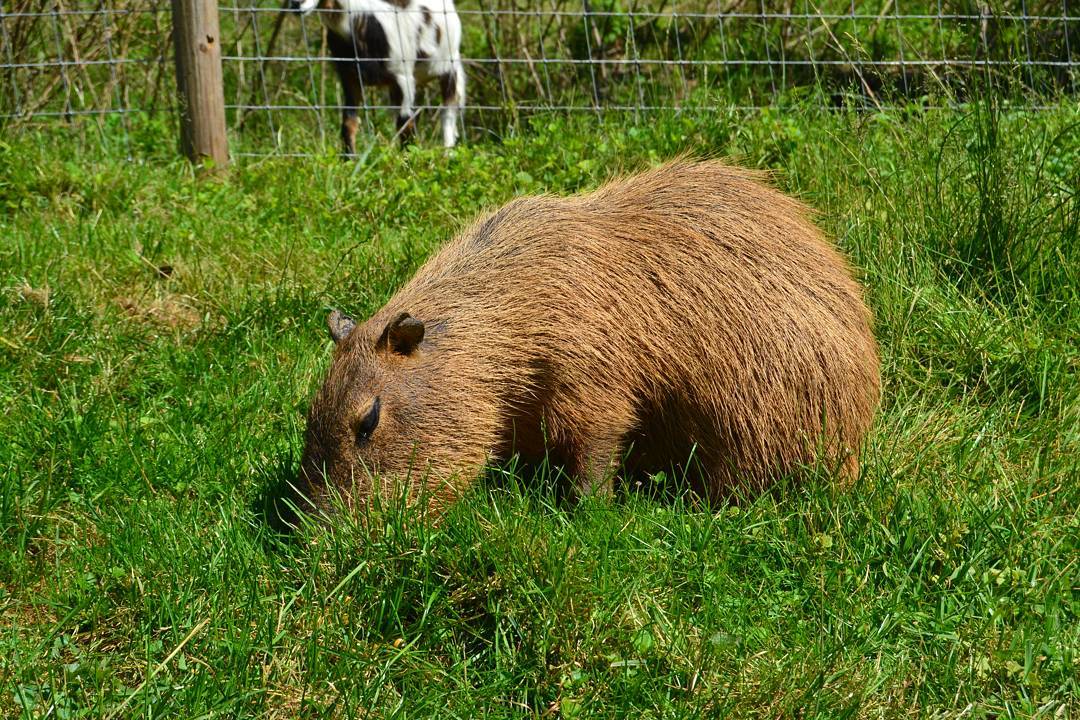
[146, 418]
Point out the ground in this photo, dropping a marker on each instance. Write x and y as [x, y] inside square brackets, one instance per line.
[161, 335]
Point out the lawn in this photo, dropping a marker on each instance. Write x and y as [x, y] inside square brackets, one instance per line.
[161, 335]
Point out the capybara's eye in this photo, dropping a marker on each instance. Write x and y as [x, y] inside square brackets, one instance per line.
[367, 424]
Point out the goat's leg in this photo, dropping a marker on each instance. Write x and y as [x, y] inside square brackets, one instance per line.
[403, 94]
[352, 92]
[452, 86]
[349, 123]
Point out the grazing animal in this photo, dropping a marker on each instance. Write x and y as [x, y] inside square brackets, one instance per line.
[394, 44]
[688, 319]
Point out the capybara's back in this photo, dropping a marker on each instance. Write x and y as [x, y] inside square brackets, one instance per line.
[687, 319]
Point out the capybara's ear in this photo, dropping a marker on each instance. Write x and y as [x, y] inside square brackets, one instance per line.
[340, 325]
[402, 334]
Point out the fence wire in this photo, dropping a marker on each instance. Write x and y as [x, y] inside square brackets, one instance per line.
[111, 60]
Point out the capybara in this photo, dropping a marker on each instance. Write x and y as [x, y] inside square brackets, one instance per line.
[690, 319]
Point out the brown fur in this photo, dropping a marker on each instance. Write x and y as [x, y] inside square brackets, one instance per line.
[688, 318]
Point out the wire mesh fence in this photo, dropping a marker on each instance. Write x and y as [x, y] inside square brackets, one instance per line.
[111, 60]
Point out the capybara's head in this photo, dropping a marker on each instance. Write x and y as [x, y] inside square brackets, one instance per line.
[360, 425]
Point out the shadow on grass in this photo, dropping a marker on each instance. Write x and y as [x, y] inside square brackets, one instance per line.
[282, 507]
[277, 508]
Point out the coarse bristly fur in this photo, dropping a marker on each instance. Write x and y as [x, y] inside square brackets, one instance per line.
[689, 319]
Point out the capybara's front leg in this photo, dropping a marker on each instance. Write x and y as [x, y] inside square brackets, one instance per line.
[594, 471]
[597, 449]
[596, 460]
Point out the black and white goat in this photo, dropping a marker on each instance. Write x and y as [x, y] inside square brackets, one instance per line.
[394, 44]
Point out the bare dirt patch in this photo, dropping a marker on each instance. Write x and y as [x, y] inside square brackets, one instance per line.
[165, 309]
[35, 296]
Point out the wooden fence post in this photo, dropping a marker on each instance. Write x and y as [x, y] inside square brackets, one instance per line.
[197, 39]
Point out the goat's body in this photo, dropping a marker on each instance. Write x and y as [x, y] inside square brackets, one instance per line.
[395, 45]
